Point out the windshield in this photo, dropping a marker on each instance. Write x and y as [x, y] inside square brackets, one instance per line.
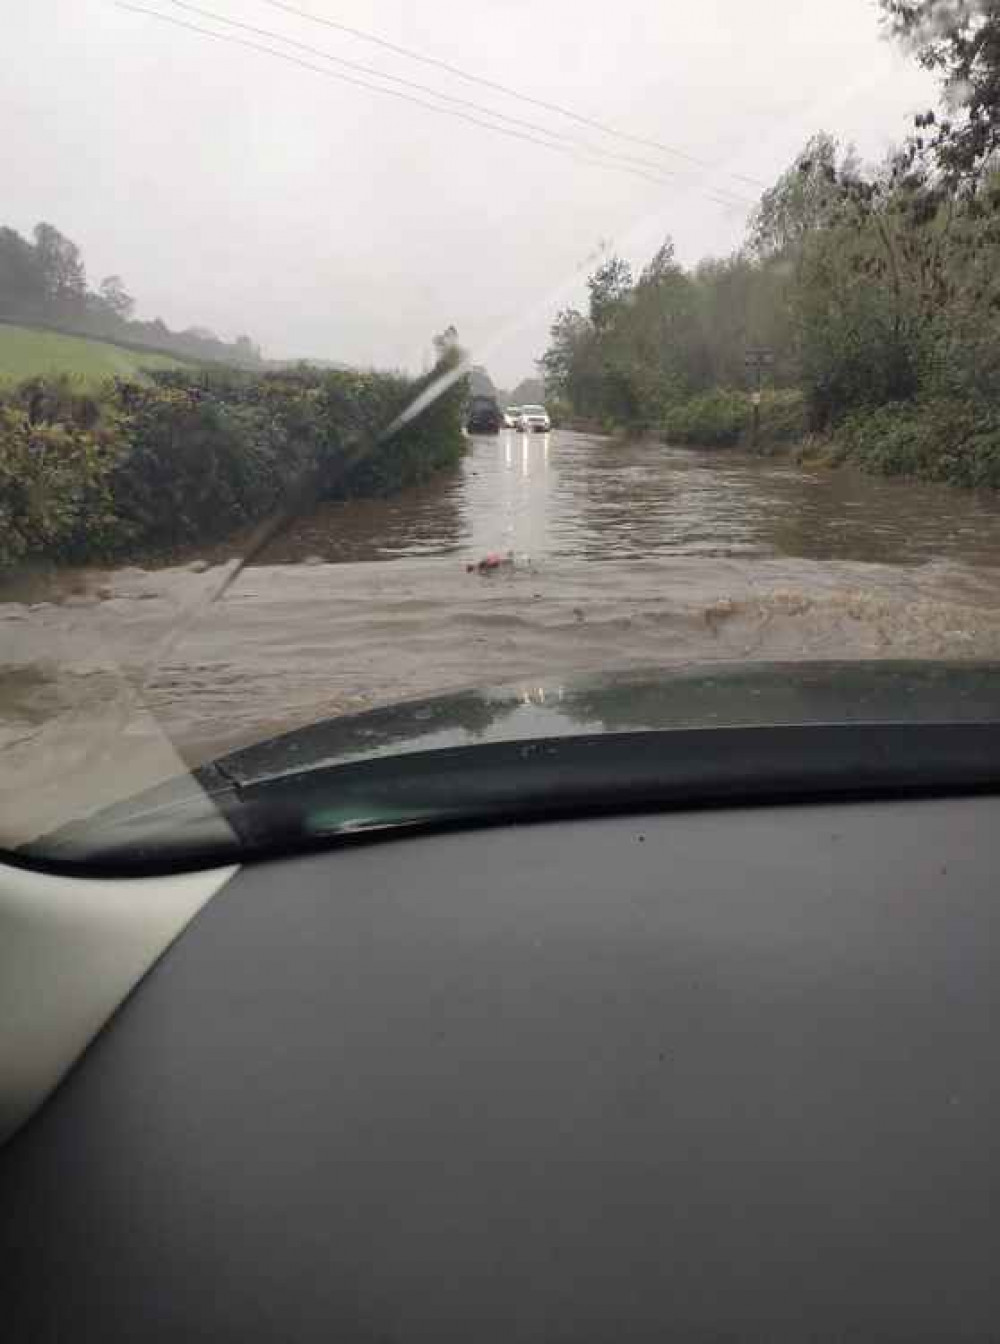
[261, 300]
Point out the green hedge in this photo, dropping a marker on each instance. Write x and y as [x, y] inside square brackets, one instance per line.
[943, 440]
[193, 456]
[712, 420]
[721, 419]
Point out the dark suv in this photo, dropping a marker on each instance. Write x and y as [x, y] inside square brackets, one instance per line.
[484, 416]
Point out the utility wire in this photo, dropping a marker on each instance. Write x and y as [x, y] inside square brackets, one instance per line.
[480, 108]
[558, 148]
[421, 88]
[506, 89]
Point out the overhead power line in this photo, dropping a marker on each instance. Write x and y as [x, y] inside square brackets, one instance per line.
[586, 157]
[423, 88]
[505, 89]
[647, 164]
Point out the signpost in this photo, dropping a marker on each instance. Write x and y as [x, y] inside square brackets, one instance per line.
[757, 359]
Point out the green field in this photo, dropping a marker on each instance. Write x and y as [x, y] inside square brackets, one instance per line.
[26, 351]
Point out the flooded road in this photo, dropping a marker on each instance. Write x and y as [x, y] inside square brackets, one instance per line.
[572, 497]
[628, 555]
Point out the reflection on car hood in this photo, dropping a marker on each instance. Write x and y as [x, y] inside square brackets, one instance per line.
[711, 696]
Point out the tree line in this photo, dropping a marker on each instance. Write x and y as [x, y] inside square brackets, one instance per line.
[43, 281]
[877, 289]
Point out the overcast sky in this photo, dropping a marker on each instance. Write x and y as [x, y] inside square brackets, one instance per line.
[234, 190]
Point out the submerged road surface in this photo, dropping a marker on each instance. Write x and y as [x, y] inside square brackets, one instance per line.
[628, 555]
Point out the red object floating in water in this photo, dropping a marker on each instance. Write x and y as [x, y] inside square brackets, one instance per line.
[489, 562]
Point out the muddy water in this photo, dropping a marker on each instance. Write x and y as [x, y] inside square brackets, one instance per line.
[628, 555]
[569, 497]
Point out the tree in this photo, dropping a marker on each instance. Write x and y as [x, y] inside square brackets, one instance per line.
[609, 286]
[960, 41]
[529, 392]
[659, 339]
[446, 342]
[663, 266]
[806, 197]
[568, 364]
[115, 297]
[22, 286]
[247, 351]
[860, 337]
[730, 297]
[61, 266]
[480, 382]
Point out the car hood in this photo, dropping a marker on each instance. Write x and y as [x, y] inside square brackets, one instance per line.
[697, 732]
[654, 701]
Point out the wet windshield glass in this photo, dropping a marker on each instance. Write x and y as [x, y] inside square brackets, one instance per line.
[348, 360]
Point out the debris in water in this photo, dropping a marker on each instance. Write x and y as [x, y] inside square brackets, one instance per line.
[496, 560]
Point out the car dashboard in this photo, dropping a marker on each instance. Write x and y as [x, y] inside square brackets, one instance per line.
[726, 1073]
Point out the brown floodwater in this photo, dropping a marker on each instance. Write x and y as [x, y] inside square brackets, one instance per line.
[627, 555]
[572, 497]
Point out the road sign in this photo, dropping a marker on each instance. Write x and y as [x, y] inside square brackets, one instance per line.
[759, 359]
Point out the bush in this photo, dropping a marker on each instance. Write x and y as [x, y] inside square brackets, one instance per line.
[722, 418]
[55, 485]
[783, 417]
[957, 442]
[194, 467]
[712, 420]
[559, 411]
[194, 456]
